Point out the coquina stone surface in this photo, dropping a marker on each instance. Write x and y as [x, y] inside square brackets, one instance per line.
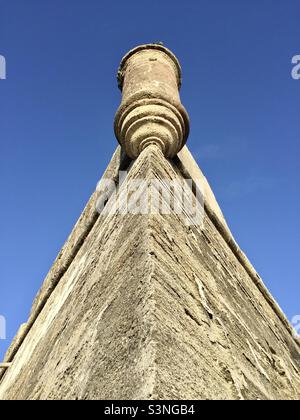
[151, 111]
[147, 307]
[149, 304]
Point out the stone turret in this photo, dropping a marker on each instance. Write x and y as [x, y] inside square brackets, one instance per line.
[151, 112]
[145, 305]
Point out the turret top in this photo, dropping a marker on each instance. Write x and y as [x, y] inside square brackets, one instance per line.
[154, 46]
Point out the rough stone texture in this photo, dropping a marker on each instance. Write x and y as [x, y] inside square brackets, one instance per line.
[67, 254]
[193, 171]
[148, 307]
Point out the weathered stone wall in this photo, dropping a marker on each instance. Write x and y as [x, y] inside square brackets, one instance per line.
[147, 307]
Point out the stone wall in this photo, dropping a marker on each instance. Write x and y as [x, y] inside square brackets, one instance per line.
[147, 307]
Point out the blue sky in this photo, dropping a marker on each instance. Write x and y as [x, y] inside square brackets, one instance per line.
[56, 114]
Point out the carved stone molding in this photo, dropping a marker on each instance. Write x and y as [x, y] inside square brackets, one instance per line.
[151, 111]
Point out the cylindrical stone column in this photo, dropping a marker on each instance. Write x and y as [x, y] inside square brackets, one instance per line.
[151, 112]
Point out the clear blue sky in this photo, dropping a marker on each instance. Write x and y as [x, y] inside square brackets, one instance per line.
[58, 103]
